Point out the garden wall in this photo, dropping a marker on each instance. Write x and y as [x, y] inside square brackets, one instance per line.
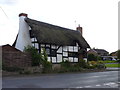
[12, 57]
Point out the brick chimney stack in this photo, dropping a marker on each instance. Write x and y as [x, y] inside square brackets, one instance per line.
[23, 14]
[79, 29]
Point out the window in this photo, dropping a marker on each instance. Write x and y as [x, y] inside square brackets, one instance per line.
[75, 49]
[65, 54]
[73, 54]
[59, 58]
[49, 59]
[42, 45]
[71, 48]
[53, 59]
[36, 46]
[47, 51]
[71, 59]
[32, 39]
[35, 39]
[65, 48]
[53, 52]
[47, 45]
[53, 47]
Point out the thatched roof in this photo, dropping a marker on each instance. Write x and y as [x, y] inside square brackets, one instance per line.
[51, 34]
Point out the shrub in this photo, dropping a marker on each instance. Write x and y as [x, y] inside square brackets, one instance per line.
[91, 57]
[36, 57]
[96, 64]
[82, 63]
[47, 66]
[67, 66]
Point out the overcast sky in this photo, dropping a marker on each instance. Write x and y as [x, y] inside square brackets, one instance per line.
[99, 18]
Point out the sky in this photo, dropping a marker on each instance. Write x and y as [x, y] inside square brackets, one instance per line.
[98, 18]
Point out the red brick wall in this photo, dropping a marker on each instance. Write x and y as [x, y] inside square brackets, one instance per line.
[11, 57]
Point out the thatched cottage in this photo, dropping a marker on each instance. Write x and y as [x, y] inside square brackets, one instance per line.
[60, 43]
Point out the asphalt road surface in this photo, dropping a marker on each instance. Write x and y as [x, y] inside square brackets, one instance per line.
[108, 79]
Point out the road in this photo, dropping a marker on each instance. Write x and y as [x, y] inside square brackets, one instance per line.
[108, 79]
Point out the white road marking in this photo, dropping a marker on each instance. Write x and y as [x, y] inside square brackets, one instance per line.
[98, 85]
[110, 83]
[79, 87]
[95, 76]
[87, 86]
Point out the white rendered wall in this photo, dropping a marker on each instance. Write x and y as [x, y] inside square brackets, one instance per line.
[23, 39]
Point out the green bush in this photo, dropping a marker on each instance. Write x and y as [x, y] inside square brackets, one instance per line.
[96, 65]
[47, 66]
[36, 57]
[91, 57]
[67, 66]
[82, 63]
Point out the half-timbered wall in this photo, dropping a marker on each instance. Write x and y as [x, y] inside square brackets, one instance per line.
[57, 53]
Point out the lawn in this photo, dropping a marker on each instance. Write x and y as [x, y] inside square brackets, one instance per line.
[108, 61]
[112, 65]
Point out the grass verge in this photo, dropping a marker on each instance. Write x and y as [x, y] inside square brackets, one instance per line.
[112, 65]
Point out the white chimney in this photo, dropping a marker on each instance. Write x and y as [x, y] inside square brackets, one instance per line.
[23, 39]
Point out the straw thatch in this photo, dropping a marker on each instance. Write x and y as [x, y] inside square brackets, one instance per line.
[51, 34]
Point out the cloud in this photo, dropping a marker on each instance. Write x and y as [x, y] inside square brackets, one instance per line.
[9, 2]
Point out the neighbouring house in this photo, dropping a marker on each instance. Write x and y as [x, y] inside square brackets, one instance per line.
[114, 53]
[98, 52]
[101, 53]
[60, 43]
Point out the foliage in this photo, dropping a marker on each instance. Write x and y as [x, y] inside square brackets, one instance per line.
[39, 58]
[82, 64]
[91, 57]
[67, 66]
[36, 57]
[47, 66]
[96, 65]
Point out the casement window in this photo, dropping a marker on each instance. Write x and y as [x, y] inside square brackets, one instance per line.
[65, 54]
[53, 53]
[59, 58]
[71, 48]
[48, 51]
[36, 45]
[72, 54]
[53, 59]
[75, 48]
[65, 48]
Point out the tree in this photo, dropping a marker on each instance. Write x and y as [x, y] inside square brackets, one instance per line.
[118, 54]
[91, 57]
